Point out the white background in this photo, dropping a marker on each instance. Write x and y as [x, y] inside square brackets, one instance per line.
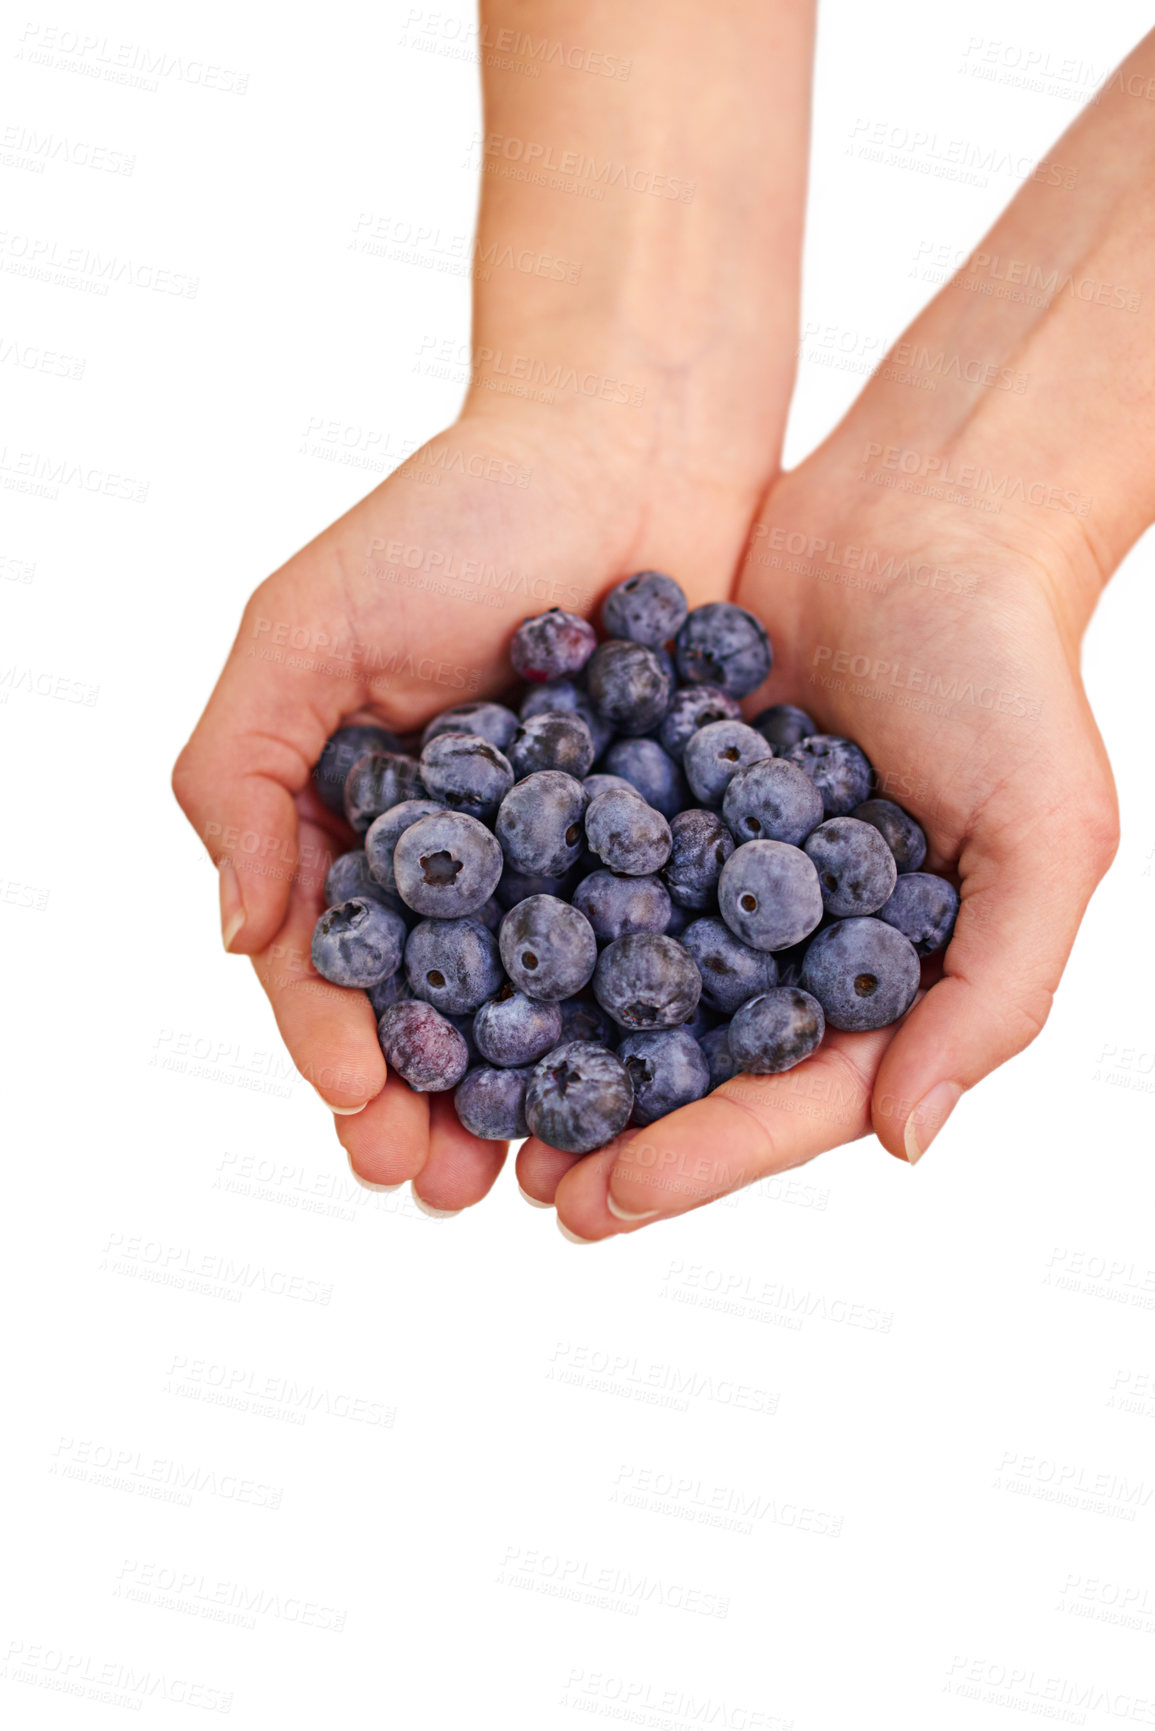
[374, 1469]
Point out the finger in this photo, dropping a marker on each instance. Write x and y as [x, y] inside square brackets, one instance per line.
[330, 1031]
[1023, 896]
[749, 1128]
[461, 1168]
[540, 1169]
[250, 753]
[388, 1143]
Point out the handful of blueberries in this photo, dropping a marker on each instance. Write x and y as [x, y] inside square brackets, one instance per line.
[572, 952]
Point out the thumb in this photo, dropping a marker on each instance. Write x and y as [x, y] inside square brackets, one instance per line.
[237, 779]
[1024, 892]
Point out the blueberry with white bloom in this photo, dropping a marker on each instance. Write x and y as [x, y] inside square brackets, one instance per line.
[721, 644]
[863, 972]
[358, 943]
[855, 867]
[769, 894]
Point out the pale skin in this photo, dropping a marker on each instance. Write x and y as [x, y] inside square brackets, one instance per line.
[955, 666]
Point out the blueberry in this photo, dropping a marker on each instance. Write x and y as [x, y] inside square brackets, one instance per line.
[731, 971]
[647, 981]
[393, 989]
[902, 835]
[716, 1051]
[715, 754]
[703, 1019]
[579, 1098]
[349, 876]
[548, 948]
[692, 707]
[838, 768]
[358, 943]
[447, 865]
[668, 1069]
[425, 1050]
[772, 800]
[769, 894]
[490, 913]
[584, 1019]
[647, 608]
[627, 835]
[652, 771]
[491, 1103]
[723, 645]
[775, 1031]
[377, 781]
[342, 749]
[700, 846]
[570, 699]
[855, 867]
[629, 685]
[790, 962]
[386, 831]
[595, 784]
[512, 1029]
[541, 823]
[552, 645]
[782, 726]
[493, 721]
[464, 1026]
[863, 972]
[679, 919]
[553, 740]
[453, 964]
[518, 886]
[923, 908]
[616, 906]
[467, 773]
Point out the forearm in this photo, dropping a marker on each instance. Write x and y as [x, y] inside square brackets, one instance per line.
[1031, 376]
[639, 237]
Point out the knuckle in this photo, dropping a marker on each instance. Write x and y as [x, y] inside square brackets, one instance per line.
[185, 780]
[1101, 831]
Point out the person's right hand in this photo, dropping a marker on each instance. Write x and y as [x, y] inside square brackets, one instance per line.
[403, 607]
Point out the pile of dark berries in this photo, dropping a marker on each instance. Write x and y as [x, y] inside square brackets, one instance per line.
[590, 910]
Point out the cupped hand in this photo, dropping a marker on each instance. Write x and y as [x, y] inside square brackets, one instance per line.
[944, 639]
[403, 607]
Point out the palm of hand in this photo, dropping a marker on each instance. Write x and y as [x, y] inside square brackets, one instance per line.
[938, 646]
[403, 607]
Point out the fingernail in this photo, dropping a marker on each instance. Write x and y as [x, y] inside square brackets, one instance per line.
[572, 1236]
[341, 1111]
[532, 1200]
[434, 1213]
[232, 907]
[630, 1219]
[928, 1118]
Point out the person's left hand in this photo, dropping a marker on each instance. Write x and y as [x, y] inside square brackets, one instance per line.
[955, 667]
